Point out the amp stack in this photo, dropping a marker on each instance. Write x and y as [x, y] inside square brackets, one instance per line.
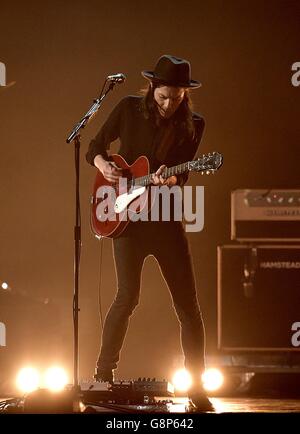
[259, 274]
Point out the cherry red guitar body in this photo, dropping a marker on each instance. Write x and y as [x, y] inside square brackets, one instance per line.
[113, 205]
[116, 223]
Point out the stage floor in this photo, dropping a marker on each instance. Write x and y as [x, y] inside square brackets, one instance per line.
[225, 405]
[221, 404]
[256, 405]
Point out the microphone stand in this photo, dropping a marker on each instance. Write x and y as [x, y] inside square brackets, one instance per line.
[75, 137]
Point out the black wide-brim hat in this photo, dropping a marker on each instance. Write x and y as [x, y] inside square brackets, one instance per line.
[172, 71]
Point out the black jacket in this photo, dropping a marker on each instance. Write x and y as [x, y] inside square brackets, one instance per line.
[140, 136]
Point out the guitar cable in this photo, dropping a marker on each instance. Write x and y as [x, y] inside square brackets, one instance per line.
[100, 254]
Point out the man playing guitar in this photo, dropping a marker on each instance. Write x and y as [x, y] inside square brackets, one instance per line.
[161, 126]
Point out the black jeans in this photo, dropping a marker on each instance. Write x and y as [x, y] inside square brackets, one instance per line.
[168, 243]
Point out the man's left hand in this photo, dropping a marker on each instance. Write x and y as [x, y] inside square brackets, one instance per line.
[158, 179]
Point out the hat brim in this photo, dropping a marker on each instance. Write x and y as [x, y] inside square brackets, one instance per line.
[149, 75]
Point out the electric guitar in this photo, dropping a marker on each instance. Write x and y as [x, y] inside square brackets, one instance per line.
[111, 203]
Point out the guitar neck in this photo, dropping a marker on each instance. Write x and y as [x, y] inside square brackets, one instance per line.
[170, 171]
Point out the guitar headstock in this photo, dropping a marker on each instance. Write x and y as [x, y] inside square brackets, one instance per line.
[207, 164]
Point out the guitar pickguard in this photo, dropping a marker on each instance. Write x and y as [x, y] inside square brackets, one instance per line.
[125, 199]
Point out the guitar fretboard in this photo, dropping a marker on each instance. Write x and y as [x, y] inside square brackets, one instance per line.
[170, 171]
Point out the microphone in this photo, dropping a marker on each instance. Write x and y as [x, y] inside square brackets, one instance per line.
[117, 78]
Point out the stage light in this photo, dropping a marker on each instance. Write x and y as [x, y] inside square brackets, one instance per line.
[56, 378]
[27, 380]
[182, 380]
[212, 379]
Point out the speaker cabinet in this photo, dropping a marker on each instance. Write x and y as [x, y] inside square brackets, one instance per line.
[259, 298]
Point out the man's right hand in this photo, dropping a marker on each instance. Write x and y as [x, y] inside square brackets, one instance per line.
[109, 169]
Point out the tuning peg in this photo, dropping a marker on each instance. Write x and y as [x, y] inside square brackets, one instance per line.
[207, 172]
[202, 173]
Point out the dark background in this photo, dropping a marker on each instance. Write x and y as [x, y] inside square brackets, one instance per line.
[59, 53]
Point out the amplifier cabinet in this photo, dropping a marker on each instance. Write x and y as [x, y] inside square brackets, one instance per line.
[258, 300]
[265, 215]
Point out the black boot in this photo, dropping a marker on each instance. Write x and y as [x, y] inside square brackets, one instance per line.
[198, 401]
[104, 375]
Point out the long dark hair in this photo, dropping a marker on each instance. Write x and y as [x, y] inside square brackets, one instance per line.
[182, 118]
